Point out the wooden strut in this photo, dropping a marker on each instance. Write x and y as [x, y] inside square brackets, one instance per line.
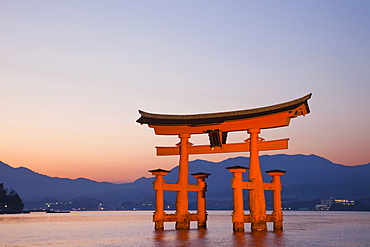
[226, 148]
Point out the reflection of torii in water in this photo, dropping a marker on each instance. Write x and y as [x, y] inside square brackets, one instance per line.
[217, 125]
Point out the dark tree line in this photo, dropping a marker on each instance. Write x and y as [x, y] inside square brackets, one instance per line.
[10, 200]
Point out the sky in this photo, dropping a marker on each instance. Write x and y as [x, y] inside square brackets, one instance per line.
[73, 75]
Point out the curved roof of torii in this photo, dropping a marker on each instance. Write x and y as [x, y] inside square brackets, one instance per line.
[220, 117]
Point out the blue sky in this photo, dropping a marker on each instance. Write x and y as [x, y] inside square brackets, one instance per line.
[74, 73]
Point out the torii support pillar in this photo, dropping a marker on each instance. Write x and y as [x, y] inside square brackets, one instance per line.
[277, 212]
[201, 194]
[237, 185]
[158, 185]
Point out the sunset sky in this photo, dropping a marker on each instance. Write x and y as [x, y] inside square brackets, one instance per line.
[73, 75]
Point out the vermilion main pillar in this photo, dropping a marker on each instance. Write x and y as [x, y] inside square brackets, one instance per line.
[257, 203]
[182, 203]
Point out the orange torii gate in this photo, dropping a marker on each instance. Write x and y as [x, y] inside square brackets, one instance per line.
[217, 125]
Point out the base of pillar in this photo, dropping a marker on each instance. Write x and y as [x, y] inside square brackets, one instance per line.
[185, 225]
[238, 227]
[202, 225]
[278, 226]
[259, 227]
[159, 226]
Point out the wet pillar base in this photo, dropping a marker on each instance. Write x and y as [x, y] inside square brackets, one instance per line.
[159, 225]
[202, 225]
[183, 222]
[182, 225]
[238, 227]
[278, 226]
[259, 227]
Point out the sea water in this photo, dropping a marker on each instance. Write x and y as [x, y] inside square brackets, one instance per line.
[135, 228]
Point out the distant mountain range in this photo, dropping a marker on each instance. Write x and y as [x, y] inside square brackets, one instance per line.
[308, 177]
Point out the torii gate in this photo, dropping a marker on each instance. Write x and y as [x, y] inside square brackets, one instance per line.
[217, 125]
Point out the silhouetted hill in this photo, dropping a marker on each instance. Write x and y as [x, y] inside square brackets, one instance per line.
[308, 177]
[34, 186]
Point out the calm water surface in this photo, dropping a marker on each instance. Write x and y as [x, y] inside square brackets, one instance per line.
[135, 228]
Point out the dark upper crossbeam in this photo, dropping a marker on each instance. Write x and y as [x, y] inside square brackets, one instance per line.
[220, 117]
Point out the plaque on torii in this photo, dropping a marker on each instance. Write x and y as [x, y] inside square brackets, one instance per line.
[217, 126]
